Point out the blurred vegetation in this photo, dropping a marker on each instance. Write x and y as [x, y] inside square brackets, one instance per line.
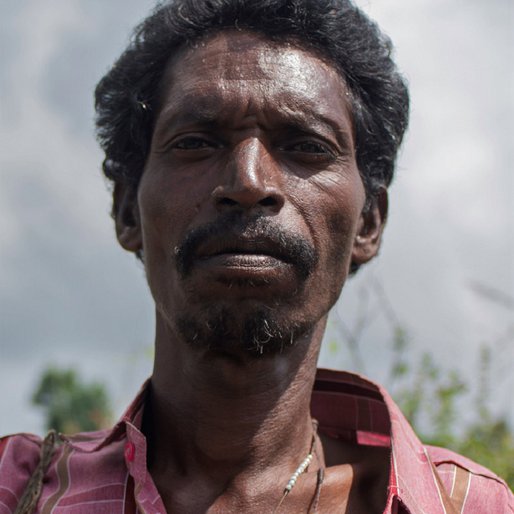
[444, 408]
[69, 404]
[429, 397]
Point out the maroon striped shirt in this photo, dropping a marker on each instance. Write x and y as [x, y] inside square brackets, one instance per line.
[105, 472]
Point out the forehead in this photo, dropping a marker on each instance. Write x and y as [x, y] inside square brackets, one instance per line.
[250, 68]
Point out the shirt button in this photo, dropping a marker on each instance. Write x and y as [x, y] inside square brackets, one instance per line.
[130, 451]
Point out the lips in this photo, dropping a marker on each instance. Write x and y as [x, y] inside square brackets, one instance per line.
[244, 249]
[230, 243]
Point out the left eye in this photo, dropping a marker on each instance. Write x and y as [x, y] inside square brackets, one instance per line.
[308, 147]
[309, 151]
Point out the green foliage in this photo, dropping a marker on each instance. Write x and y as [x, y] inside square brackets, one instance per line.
[70, 405]
[491, 444]
[425, 389]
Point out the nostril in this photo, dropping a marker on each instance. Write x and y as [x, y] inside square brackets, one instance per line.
[247, 199]
[227, 201]
[269, 201]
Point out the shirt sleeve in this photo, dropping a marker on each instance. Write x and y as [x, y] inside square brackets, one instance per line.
[473, 489]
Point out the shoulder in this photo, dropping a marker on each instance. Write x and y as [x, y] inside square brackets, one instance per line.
[471, 486]
[19, 455]
[19, 451]
[83, 467]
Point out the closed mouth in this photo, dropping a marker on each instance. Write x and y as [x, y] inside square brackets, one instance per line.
[238, 246]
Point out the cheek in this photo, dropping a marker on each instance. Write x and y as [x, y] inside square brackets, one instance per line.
[341, 231]
[166, 207]
[333, 212]
[332, 205]
[166, 211]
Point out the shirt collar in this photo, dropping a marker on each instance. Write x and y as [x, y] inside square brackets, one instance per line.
[346, 405]
[93, 441]
[350, 405]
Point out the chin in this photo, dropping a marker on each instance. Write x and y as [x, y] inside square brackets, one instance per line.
[255, 332]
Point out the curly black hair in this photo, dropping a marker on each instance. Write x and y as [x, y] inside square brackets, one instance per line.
[126, 97]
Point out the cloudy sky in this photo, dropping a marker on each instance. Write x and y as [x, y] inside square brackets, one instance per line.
[70, 296]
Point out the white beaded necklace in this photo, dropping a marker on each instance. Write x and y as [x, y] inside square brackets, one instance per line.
[300, 470]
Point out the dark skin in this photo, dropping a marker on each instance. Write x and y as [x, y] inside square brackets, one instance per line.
[262, 130]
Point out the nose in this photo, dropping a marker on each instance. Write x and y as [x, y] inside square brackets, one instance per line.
[251, 180]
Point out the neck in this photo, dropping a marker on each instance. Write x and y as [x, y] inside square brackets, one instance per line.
[222, 416]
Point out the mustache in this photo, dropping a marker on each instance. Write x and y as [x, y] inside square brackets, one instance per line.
[297, 250]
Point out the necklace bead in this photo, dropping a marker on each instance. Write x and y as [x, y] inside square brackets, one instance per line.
[300, 470]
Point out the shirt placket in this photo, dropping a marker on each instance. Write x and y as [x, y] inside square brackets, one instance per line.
[148, 499]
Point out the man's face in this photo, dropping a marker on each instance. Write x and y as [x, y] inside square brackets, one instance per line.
[250, 204]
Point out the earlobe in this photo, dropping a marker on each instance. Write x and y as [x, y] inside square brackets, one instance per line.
[125, 211]
[369, 232]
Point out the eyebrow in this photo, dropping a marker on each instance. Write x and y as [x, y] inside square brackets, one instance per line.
[208, 111]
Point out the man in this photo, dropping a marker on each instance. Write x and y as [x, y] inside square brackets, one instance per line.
[250, 144]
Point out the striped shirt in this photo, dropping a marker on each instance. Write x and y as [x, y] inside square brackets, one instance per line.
[105, 472]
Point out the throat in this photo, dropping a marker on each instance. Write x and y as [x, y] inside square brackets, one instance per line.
[288, 481]
[243, 427]
[226, 428]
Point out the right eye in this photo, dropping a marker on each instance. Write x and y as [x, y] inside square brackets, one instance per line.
[194, 143]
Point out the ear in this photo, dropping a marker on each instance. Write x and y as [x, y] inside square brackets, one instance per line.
[125, 211]
[370, 228]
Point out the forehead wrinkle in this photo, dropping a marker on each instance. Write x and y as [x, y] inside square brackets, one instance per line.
[291, 92]
[292, 95]
[315, 113]
[206, 107]
[297, 65]
[221, 51]
[217, 108]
